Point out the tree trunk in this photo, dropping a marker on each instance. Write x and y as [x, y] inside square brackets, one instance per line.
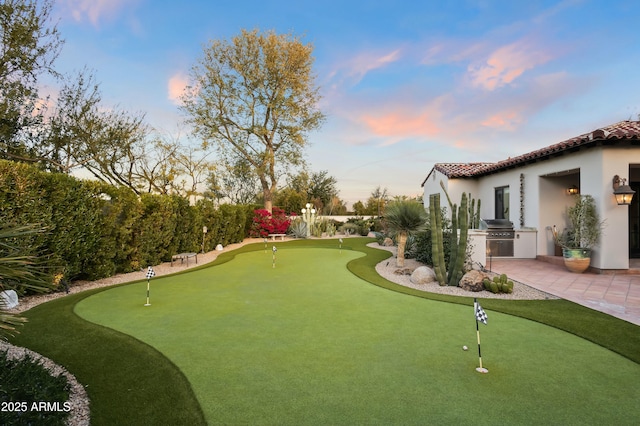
[268, 205]
[402, 242]
[267, 194]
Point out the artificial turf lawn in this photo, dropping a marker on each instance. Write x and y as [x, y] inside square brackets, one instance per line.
[307, 342]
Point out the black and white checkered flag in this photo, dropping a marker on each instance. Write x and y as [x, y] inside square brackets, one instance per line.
[480, 314]
[150, 272]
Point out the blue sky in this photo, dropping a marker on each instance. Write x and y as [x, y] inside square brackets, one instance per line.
[405, 84]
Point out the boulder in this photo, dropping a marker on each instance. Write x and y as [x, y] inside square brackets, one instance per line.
[388, 242]
[472, 281]
[219, 247]
[10, 298]
[423, 275]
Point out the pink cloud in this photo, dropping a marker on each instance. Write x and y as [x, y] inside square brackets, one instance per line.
[399, 124]
[405, 121]
[506, 64]
[503, 120]
[176, 86]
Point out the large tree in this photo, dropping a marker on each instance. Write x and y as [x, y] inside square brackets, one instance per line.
[71, 130]
[235, 182]
[29, 45]
[107, 142]
[255, 97]
[377, 201]
[318, 188]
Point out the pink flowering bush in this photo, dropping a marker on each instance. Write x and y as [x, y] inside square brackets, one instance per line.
[265, 223]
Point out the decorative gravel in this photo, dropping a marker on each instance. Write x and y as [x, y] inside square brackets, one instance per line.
[387, 269]
[79, 415]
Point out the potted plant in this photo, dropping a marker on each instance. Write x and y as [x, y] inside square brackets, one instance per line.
[583, 233]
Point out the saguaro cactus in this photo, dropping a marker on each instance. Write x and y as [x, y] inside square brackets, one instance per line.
[474, 213]
[460, 219]
[459, 250]
[437, 249]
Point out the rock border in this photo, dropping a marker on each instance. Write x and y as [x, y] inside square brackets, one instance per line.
[80, 414]
[387, 269]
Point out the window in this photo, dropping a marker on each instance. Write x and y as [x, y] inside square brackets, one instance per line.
[502, 202]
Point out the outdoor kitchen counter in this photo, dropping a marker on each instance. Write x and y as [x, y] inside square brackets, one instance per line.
[525, 245]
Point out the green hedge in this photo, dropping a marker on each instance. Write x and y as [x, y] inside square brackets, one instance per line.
[94, 230]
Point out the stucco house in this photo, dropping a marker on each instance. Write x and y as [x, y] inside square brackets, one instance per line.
[534, 190]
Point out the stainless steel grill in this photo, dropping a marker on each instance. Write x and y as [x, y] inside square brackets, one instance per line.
[500, 236]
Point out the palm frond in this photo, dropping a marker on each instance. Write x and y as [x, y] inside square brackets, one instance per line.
[19, 272]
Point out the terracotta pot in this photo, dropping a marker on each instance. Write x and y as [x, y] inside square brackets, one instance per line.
[577, 260]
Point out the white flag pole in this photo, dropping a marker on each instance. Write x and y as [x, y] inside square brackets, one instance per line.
[476, 310]
[274, 249]
[147, 304]
[150, 273]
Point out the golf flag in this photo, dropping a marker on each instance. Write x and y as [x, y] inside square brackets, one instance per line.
[150, 272]
[480, 313]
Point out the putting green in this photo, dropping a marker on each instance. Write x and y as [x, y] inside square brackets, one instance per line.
[307, 342]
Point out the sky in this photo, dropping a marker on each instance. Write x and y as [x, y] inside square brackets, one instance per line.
[404, 84]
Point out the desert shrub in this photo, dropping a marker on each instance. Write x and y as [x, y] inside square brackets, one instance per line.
[331, 228]
[366, 225]
[27, 381]
[324, 226]
[421, 249]
[349, 228]
[380, 237]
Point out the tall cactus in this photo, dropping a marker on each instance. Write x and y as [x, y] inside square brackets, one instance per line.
[474, 213]
[453, 242]
[459, 250]
[437, 249]
[460, 220]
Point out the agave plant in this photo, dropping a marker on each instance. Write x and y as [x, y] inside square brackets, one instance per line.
[298, 229]
[404, 218]
[18, 271]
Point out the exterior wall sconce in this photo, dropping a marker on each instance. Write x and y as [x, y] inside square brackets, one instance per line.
[573, 190]
[622, 191]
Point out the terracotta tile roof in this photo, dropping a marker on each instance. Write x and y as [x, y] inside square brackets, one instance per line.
[461, 169]
[624, 131]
